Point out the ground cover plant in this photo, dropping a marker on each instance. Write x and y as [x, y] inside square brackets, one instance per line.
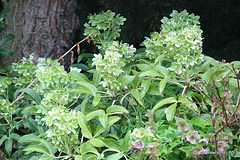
[165, 100]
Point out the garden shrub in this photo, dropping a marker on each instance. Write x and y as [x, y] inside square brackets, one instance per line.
[166, 102]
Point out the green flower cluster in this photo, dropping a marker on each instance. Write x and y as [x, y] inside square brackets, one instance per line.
[26, 70]
[105, 26]
[180, 38]
[63, 127]
[5, 81]
[6, 109]
[111, 64]
[51, 76]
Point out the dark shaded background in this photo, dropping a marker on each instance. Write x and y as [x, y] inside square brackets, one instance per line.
[220, 21]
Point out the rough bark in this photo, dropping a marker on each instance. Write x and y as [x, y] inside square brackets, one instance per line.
[42, 28]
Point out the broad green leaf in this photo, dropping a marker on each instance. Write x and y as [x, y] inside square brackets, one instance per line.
[43, 158]
[162, 85]
[96, 78]
[83, 124]
[116, 109]
[112, 136]
[163, 70]
[115, 156]
[15, 136]
[84, 55]
[126, 141]
[78, 157]
[81, 66]
[6, 39]
[37, 148]
[6, 52]
[93, 114]
[112, 144]
[32, 94]
[29, 109]
[209, 75]
[48, 146]
[163, 102]
[159, 59]
[78, 76]
[144, 67]
[171, 111]
[96, 100]
[145, 85]
[233, 82]
[89, 157]
[136, 95]
[8, 146]
[185, 101]
[112, 120]
[30, 123]
[3, 139]
[90, 86]
[88, 148]
[103, 120]
[150, 73]
[204, 65]
[125, 80]
[198, 121]
[99, 130]
[97, 142]
[79, 90]
[30, 138]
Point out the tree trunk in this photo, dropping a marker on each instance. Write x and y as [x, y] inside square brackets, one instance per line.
[43, 28]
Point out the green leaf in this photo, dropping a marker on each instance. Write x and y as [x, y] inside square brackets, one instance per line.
[8, 146]
[78, 157]
[93, 114]
[150, 73]
[3, 139]
[6, 39]
[89, 86]
[171, 111]
[126, 141]
[99, 130]
[125, 80]
[78, 76]
[163, 102]
[96, 100]
[96, 78]
[4, 12]
[198, 121]
[159, 59]
[112, 120]
[97, 142]
[145, 85]
[103, 120]
[29, 109]
[15, 136]
[136, 95]
[84, 55]
[163, 70]
[89, 157]
[112, 144]
[37, 148]
[116, 109]
[88, 148]
[162, 85]
[83, 124]
[48, 146]
[30, 138]
[115, 156]
[32, 94]
[209, 75]
[6, 52]
[81, 66]
[31, 124]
